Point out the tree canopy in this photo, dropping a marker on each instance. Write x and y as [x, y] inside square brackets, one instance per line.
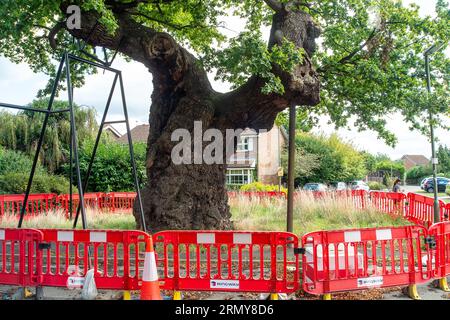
[369, 58]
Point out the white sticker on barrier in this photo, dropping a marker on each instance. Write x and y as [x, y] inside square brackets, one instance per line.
[2, 234]
[242, 238]
[224, 284]
[75, 282]
[384, 234]
[370, 282]
[206, 238]
[97, 236]
[65, 236]
[352, 236]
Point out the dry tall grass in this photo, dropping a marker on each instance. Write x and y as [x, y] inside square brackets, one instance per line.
[310, 214]
[268, 214]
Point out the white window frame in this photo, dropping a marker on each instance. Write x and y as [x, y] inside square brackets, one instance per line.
[244, 176]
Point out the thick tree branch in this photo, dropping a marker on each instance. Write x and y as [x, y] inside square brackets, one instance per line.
[274, 5]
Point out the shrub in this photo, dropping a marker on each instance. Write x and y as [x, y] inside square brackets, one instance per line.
[16, 183]
[15, 162]
[258, 186]
[111, 170]
[374, 185]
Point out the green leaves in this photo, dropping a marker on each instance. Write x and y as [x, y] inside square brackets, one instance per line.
[248, 55]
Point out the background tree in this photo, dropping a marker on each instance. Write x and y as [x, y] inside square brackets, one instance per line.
[368, 65]
[21, 131]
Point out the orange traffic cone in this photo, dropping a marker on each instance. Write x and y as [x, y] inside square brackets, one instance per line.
[150, 284]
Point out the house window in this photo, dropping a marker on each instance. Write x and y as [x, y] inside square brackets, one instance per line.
[245, 144]
[239, 176]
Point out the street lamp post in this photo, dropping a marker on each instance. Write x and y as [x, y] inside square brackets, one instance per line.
[434, 160]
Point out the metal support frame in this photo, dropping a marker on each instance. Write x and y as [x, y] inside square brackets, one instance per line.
[74, 156]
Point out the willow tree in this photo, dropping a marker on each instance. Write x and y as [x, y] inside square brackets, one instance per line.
[368, 64]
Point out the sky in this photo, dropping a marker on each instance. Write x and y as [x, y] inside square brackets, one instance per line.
[19, 85]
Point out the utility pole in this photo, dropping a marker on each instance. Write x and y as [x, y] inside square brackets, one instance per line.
[434, 160]
[291, 163]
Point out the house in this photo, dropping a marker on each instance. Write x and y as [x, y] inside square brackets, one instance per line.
[138, 134]
[257, 157]
[113, 132]
[413, 160]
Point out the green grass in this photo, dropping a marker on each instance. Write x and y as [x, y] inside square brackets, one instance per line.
[256, 214]
[440, 194]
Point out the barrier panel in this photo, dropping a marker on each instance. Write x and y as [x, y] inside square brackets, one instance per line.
[227, 261]
[120, 201]
[20, 257]
[345, 260]
[37, 203]
[393, 203]
[439, 234]
[257, 194]
[421, 209]
[91, 200]
[117, 257]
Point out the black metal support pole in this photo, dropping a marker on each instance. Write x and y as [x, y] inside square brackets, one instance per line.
[71, 174]
[133, 162]
[291, 162]
[97, 141]
[41, 140]
[433, 149]
[75, 142]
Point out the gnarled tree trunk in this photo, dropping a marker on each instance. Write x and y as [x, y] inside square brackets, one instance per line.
[193, 196]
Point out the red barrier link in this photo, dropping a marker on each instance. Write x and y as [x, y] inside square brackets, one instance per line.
[257, 194]
[117, 257]
[440, 233]
[37, 203]
[91, 200]
[20, 257]
[121, 201]
[365, 258]
[393, 203]
[227, 261]
[421, 210]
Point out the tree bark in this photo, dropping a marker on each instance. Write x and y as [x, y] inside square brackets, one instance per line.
[193, 196]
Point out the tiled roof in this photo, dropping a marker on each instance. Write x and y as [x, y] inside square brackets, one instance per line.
[138, 134]
[417, 159]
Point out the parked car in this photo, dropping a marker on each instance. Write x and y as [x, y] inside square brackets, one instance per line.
[422, 183]
[315, 187]
[441, 182]
[359, 185]
[338, 186]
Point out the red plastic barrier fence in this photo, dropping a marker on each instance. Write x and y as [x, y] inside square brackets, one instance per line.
[20, 257]
[257, 194]
[392, 203]
[121, 201]
[227, 261]
[117, 257]
[91, 200]
[421, 209]
[345, 260]
[37, 203]
[440, 234]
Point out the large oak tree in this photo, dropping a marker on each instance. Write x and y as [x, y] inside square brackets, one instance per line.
[368, 64]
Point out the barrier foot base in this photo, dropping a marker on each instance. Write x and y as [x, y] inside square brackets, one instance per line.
[326, 296]
[39, 293]
[177, 295]
[411, 291]
[273, 296]
[443, 285]
[126, 295]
